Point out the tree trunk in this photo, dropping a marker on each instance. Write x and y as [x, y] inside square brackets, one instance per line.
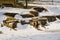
[26, 3]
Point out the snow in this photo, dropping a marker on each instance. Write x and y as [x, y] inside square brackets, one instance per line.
[47, 2]
[15, 10]
[28, 32]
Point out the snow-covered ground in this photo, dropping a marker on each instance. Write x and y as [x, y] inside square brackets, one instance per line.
[47, 2]
[27, 32]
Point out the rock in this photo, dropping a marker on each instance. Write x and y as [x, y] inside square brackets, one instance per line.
[40, 9]
[27, 16]
[34, 13]
[35, 22]
[58, 16]
[50, 18]
[10, 22]
[24, 22]
[10, 14]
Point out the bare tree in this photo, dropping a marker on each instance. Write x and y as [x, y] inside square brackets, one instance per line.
[26, 1]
